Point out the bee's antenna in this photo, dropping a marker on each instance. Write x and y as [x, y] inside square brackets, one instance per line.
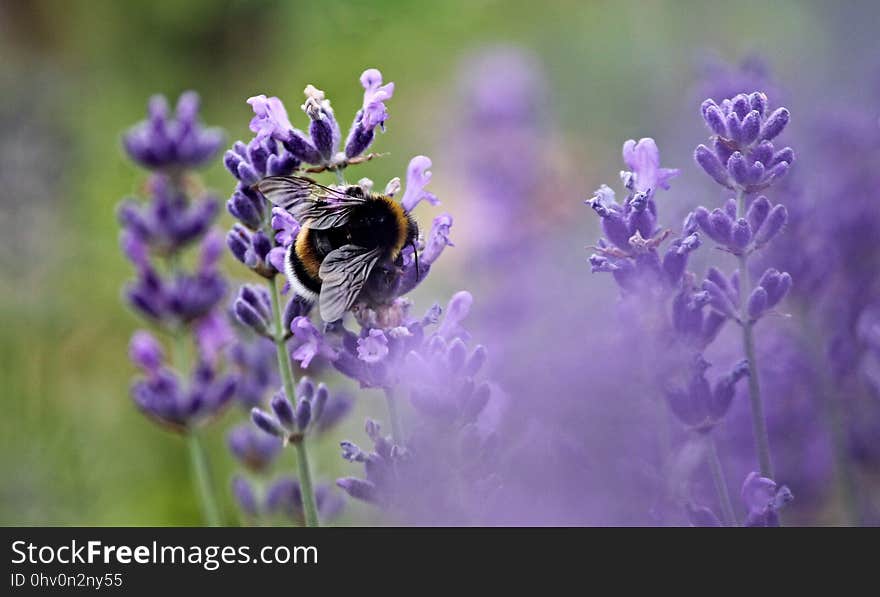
[416, 257]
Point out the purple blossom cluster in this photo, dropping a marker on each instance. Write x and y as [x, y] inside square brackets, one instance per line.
[683, 315]
[180, 304]
[375, 355]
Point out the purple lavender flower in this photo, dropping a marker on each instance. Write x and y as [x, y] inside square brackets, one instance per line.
[249, 164]
[700, 405]
[284, 498]
[743, 156]
[181, 299]
[291, 422]
[629, 250]
[253, 308]
[373, 113]
[764, 498]
[163, 396]
[245, 497]
[643, 159]
[256, 370]
[174, 143]
[252, 249]
[169, 222]
[255, 450]
[418, 176]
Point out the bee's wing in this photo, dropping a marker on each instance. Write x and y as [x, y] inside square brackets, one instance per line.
[308, 201]
[343, 274]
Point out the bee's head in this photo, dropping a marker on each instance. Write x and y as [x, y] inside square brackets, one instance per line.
[382, 285]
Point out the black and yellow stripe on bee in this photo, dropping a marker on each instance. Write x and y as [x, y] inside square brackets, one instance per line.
[405, 224]
[379, 222]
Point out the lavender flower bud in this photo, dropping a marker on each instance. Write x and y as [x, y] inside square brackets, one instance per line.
[252, 308]
[283, 410]
[720, 228]
[712, 165]
[319, 404]
[456, 353]
[772, 225]
[762, 152]
[725, 388]
[714, 118]
[719, 299]
[758, 102]
[734, 128]
[359, 489]
[757, 304]
[775, 124]
[267, 423]
[245, 496]
[757, 213]
[738, 169]
[145, 352]
[252, 448]
[303, 414]
[476, 361]
[244, 208]
[776, 284]
[323, 130]
[751, 126]
[741, 234]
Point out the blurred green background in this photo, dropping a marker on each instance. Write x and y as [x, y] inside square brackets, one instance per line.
[76, 74]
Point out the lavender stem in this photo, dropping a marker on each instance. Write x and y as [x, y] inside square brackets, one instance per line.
[721, 489]
[396, 429]
[202, 478]
[302, 459]
[201, 469]
[759, 424]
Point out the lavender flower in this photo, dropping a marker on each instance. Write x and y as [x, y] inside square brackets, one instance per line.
[629, 250]
[373, 113]
[319, 146]
[169, 222]
[180, 299]
[256, 370]
[700, 405]
[743, 156]
[179, 302]
[290, 422]
[166, 398]
[764, 498]
[245, 497]
[284, 498]
[170, 143]
[253, 449]
[249, 164]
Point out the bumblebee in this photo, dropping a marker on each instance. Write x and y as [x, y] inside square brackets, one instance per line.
[349, 246]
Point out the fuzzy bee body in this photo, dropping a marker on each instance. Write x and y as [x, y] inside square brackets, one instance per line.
[349, 246]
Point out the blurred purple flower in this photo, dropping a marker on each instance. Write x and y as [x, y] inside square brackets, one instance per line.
[254, 449]
[163, 142]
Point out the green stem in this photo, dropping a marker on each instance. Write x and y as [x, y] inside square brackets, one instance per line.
[201, 470]
[202, 480]
[340, 177]
[305, 474]
[759, 423]
[396, 429]
[727, 511]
